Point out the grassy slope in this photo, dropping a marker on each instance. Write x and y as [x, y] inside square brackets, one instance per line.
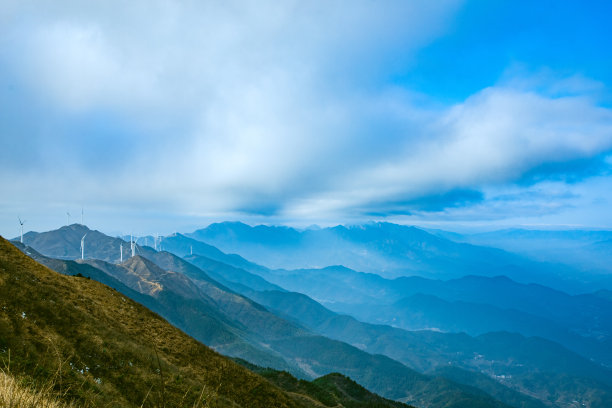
[191, 316]
[108, 350]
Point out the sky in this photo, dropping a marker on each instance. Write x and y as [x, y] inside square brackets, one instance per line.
[162, 116]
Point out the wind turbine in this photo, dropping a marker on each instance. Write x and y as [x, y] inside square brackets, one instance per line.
[121, 251]
[83, 247]
[68, 214]
[21, 227]
[133, 245]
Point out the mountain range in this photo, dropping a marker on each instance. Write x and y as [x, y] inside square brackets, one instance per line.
[472, 304]
[304, 353]
[587, 251]
[246, 310]
[388, 250]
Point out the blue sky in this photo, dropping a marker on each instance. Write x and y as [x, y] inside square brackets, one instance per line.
[167, 115]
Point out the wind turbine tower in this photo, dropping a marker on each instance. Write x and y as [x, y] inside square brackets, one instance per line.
[121, 252]
[133, 245]
[83, 247]
[21, 227]
[68, 219]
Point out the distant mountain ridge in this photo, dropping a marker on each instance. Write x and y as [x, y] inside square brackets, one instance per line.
[588, 252]
[389, 250]
[473, 304]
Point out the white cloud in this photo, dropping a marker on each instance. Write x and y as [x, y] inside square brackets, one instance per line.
[494, 137]
[259, 104]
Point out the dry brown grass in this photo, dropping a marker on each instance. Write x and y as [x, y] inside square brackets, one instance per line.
[16, 394]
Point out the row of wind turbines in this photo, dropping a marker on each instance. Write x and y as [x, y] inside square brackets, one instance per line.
[133, 239]
[133, 246]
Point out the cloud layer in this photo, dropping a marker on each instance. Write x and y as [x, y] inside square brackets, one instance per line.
[291, 111]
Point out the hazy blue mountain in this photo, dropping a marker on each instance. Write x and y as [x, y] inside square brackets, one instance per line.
[502, 364]
[315, 316]
[183, 245]
[228, 269]
[530, 309]
[430, 312]
[584, 312]
[380, 248]
[234, 278]
[481, 304]
[472, 304]
[386, 249]
[586, 251]
[430, 351]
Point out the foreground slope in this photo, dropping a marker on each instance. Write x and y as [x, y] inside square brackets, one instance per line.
[107, 350]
